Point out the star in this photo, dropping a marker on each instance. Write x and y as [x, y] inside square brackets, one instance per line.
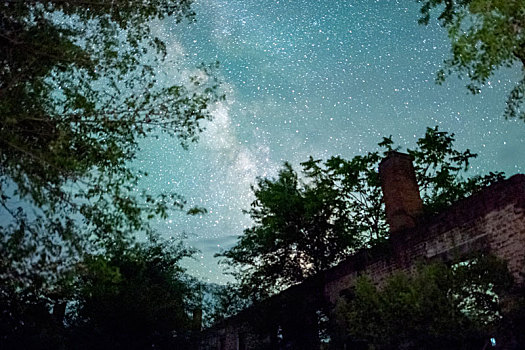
[311, 78]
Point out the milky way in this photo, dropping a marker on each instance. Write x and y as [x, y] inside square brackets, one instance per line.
[317, 78]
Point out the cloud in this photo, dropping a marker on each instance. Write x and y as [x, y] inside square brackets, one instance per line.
[215, 244]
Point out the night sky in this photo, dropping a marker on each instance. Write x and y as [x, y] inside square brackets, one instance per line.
[319, 78]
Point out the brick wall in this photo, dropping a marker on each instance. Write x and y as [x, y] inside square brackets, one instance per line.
[491, 221]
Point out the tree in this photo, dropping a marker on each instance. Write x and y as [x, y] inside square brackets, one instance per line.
[485, 35]
[437, 307]
[134, 299]
[79, 89]
[302, 227]
[299, 231]
[221, 302]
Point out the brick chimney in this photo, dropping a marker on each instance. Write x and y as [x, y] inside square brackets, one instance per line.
[400, 191]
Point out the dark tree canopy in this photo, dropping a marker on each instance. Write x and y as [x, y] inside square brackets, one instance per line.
[485, 35]
[79, 88]
[137, 297]
[222, 301]
[306, 224]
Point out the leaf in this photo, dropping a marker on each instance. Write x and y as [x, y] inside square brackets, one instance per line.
[197, 211]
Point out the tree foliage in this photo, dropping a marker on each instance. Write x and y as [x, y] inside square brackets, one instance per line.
[221, 302]
[288, 214]
[485, 35]
[80, 88]
[437, 307]
[308, 224]
[134, 298]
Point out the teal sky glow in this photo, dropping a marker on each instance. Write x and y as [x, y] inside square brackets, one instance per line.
[312, 77]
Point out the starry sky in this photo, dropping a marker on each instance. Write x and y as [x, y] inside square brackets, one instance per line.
[310, 77]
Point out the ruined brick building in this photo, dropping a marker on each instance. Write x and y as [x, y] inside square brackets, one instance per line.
[490, 221]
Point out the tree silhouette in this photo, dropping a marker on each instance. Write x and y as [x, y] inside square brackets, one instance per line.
[485, 35]
[306, 224]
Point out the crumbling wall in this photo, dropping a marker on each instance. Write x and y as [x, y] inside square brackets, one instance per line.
[287, 320]
[491, 221]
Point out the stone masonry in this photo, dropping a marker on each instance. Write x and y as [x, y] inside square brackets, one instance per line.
[490, 221]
